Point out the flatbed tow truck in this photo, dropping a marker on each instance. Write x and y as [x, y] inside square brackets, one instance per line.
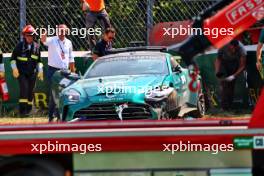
[204, 147]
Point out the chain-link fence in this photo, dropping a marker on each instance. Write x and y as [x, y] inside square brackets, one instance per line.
[9, 24]
[132, 19]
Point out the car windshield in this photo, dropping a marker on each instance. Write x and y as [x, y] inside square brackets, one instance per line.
[129, 65]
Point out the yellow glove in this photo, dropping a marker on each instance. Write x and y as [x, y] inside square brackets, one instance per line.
[2, 74]
[15, 73]
[40, 76]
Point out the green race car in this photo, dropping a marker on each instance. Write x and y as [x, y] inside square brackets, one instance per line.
[126, 85]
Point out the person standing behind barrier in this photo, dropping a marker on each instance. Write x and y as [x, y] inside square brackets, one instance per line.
[95, 11]
[104, 45]
[26, 65]
[229, 64]
[60, 57]
[259, 52]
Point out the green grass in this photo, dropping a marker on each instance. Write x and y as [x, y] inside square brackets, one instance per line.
[16, 120]
[12, 118]
[39, 117]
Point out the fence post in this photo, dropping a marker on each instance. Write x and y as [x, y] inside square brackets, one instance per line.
[150, 4]
[22, 16]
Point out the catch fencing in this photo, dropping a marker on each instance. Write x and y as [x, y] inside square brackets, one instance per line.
[133, 19]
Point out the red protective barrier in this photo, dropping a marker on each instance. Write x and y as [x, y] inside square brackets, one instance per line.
[257, 120]
[113, 144]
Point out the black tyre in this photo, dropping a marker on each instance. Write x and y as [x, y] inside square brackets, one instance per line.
[19, 166]
[201, 106]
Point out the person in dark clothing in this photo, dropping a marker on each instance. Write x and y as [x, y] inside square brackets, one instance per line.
[95, 11]
[27, 66]
[104, 45]
[229, 64]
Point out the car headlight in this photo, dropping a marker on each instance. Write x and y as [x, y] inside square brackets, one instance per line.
[72, 95]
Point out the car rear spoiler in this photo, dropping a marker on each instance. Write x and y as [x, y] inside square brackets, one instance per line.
[140, 48]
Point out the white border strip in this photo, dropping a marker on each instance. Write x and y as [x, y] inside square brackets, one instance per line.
[44, 54]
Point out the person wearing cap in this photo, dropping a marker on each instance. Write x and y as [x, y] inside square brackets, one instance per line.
[230, 62]
[27, 66]
[259, 51]
[60, 57]
[95, 11]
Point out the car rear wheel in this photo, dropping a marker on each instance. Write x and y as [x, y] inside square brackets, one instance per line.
[19, 166]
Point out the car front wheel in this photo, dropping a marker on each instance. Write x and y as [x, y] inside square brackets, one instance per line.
[201, 106]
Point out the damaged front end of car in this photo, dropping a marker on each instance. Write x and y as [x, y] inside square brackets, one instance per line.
[159, 100]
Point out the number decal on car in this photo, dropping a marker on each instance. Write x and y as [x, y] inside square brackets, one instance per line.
[183, 79]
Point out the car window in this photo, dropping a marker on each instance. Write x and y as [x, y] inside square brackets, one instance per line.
[129, 65]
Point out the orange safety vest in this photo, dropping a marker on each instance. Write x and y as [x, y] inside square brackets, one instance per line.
[96, 5]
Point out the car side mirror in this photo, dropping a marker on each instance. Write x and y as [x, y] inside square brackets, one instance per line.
[177, 69]
[65, 73]
[72, 76]
[76, 77]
